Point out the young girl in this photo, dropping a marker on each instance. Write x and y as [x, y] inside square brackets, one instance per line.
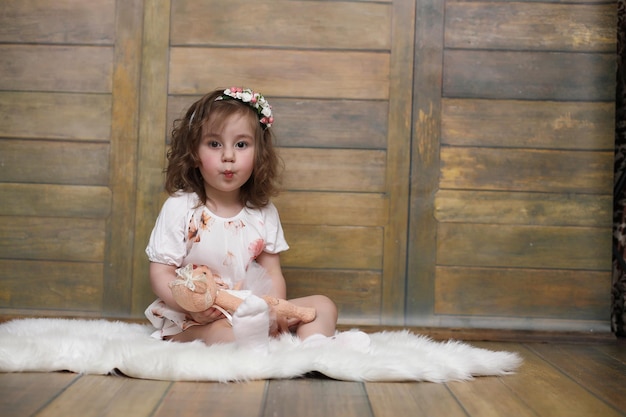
[222, 170]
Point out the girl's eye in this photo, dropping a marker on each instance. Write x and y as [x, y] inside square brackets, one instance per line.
[241, 145]
[214, 144]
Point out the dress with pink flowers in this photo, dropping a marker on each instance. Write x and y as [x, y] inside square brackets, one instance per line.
[186, 232]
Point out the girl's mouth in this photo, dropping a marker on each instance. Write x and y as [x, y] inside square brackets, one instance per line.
[228, 174]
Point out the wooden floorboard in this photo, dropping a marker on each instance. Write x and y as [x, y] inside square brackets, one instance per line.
[192, 399]
[489, 397]
[316, 397]
[595, 371]
[556, 379]
[26, 393]
[412, 399]
[99, 395]
[615, 350]
[547, 391]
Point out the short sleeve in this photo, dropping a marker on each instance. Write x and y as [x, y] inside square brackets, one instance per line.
[167, 243]
[275, 238]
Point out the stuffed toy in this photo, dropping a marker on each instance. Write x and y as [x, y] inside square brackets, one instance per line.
[195, 289]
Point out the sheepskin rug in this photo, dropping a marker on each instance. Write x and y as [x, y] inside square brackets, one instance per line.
[112, 347]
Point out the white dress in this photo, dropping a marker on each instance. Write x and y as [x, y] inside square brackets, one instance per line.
[186, 233]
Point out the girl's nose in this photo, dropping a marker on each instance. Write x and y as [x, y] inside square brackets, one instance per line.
[228, 155]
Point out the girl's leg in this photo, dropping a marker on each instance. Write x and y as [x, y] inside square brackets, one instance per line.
[321, 331]
[220, 331]
[325, 320]
[250, 327]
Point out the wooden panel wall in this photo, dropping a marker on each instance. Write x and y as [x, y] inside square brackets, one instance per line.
[519, 183]
[344, 150]
[55, 145]
[448, 163]
[68, 75]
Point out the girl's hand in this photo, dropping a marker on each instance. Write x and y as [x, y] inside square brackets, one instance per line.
[279, 325]
[207, 316]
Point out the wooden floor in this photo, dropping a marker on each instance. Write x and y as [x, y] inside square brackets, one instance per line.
[557, 379]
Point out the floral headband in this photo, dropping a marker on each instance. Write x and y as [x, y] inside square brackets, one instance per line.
[254, 100]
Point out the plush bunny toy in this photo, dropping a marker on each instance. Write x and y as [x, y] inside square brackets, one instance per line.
[195, 289]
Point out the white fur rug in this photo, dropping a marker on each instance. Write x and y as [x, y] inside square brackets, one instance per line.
[103, 347]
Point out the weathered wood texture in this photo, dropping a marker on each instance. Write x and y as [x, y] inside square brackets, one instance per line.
[57, 71]
[522, 202]
[151, 147]
[329, 84]
[448, 163]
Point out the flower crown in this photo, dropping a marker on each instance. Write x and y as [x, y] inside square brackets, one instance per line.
[254, 100]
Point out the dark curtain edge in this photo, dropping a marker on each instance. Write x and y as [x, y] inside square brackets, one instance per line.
[618, 290]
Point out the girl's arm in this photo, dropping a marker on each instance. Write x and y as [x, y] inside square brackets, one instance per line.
[160, 276]
[271, 263]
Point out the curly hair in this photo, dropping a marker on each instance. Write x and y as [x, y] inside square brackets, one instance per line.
[183, 174]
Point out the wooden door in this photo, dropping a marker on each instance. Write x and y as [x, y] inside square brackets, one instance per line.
[512, 165]
[341, 96]
[68, 129]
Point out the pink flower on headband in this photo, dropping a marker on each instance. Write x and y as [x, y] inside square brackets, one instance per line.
[254, 100]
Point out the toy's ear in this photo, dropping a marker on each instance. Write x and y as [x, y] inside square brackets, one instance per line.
[202, 269]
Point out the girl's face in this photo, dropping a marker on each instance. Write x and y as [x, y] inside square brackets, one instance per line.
[226, 155]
